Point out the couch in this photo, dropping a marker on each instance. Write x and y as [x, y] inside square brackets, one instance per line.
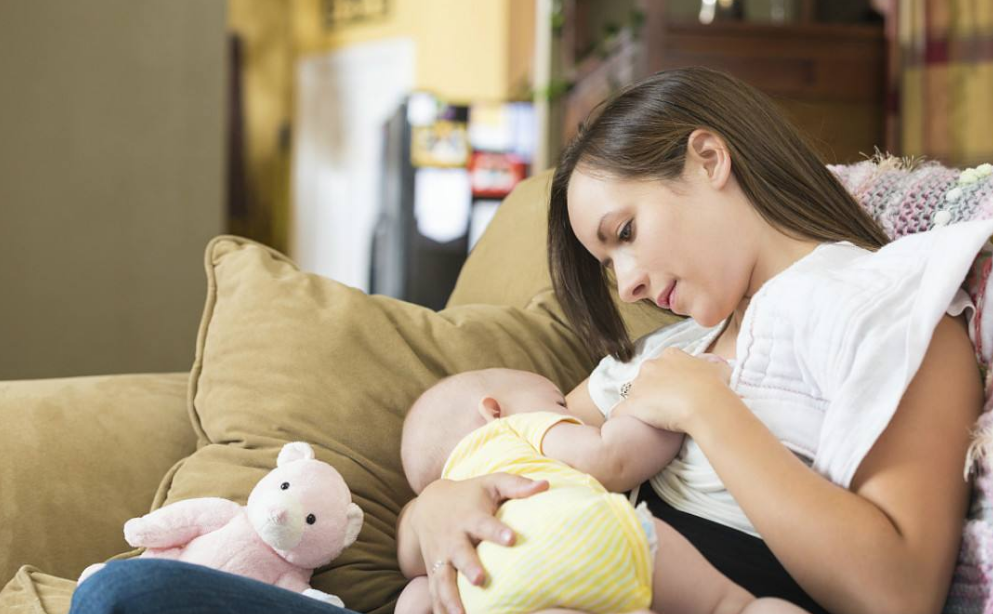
[283, 355]
[79, 456]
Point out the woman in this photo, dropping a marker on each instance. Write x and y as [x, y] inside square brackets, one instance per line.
[689, 191]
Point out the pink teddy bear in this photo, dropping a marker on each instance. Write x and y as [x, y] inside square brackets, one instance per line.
[299, 517]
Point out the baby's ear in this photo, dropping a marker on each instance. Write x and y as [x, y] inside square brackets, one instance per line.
[489, 409]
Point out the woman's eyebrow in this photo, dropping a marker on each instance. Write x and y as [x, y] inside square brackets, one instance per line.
[600, 234]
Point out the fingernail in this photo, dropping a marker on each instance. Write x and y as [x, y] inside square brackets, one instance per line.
[507, 536]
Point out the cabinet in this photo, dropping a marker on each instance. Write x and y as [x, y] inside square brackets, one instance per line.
[829, 77]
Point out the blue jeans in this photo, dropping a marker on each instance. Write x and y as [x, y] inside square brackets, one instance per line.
[157, 586]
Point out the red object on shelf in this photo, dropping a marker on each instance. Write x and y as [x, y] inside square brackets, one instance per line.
[494, 175]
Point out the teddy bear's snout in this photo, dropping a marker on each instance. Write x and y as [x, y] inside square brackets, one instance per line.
[278, 519]
[278, 515]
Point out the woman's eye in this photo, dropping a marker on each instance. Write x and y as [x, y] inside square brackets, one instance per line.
[626, 232]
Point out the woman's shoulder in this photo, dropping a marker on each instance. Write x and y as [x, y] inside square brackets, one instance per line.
[862, 324]
[840, 282]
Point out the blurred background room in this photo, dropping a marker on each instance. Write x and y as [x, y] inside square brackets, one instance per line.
[372, 140]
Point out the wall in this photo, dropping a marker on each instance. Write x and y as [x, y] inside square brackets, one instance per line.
[466, 50]
[265, 31]
[111, 182]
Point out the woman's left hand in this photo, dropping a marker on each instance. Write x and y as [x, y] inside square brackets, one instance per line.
[675, 389]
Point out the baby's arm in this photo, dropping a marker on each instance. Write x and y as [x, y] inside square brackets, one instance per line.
[621, 454]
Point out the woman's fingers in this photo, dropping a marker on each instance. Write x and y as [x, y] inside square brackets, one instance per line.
[443, 578]
[488, 528]
[465, 560]
[505, 486]
[723, 367]
[445, 591]
[450, 517]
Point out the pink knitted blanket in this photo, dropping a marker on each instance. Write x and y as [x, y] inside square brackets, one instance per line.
[906, 197]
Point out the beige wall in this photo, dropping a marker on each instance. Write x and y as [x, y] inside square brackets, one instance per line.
[265, 29]
[467, 50]
[111, 181]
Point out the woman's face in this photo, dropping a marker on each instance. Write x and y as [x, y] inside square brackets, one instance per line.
[688, 245]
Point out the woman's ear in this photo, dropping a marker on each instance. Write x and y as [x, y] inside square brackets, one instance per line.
[489, 409]
[708, 152]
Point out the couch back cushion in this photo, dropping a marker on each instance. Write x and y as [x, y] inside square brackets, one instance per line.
[509, 265]
[283, 356]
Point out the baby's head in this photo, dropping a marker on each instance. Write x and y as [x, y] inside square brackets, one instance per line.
[457, 405]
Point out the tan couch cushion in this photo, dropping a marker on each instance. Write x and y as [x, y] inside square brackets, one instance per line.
[284, 355]
[508, 265]
[32, 592]
[63, 498]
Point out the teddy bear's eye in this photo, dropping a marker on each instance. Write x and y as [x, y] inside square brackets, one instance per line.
[284, 485]
[311, 519]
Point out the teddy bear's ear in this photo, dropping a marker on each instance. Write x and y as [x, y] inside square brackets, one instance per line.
[354, 518]
[298, 450]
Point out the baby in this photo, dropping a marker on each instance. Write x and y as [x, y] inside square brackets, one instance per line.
[578, 546]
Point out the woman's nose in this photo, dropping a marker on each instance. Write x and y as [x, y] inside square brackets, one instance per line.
[631, 286]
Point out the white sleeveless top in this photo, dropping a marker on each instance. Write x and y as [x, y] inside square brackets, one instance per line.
[825, 352]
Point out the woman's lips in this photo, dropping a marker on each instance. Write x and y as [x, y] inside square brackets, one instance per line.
[664, 300]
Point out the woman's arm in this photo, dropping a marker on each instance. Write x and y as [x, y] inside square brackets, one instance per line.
[408, 545]
[889, 544]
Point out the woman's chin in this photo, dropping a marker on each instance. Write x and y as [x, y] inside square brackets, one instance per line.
[706, 319]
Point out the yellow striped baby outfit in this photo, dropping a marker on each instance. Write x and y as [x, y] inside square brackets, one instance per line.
[578, 545]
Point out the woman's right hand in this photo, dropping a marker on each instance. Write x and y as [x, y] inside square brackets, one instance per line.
[451, 517]
[674, 390]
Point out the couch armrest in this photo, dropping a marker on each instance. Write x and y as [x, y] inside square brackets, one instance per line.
[78, 457]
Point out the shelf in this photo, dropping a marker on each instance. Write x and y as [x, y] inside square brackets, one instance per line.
[810, 31]
[817, 62]
[829, 78]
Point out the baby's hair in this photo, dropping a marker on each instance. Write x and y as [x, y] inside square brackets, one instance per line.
[442, 415]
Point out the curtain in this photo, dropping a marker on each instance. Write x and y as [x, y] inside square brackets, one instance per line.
[941, 80]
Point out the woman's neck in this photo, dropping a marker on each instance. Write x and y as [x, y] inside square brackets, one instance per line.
[778, 253]
[734, 321]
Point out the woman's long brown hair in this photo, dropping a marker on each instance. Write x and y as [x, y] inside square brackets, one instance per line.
[642, 132]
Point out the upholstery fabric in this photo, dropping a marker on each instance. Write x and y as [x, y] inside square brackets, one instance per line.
[284, 355]
[78, 457]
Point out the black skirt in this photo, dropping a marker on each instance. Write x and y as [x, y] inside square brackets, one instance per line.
[743, 558]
